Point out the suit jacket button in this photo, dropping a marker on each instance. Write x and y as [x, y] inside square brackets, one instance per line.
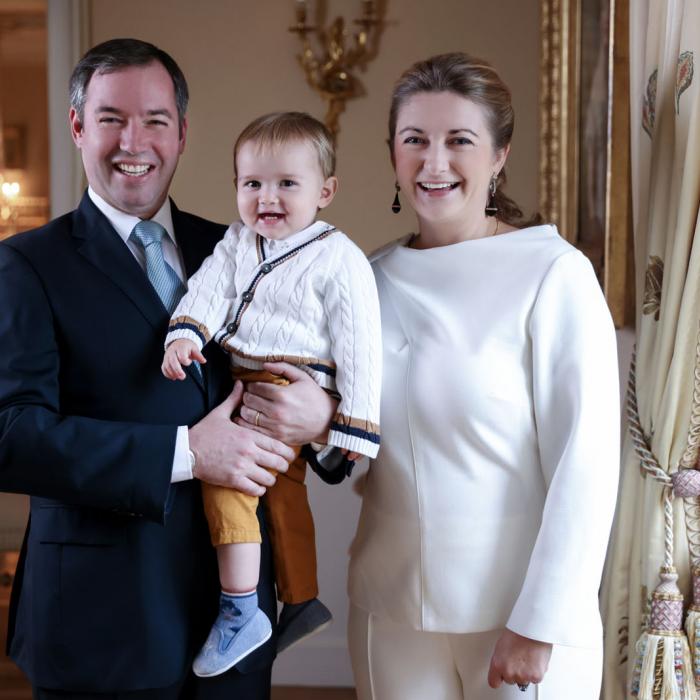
[247, 296]
[231, 328]
[266, 268]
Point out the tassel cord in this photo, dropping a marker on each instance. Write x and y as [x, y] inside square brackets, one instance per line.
[648, 461]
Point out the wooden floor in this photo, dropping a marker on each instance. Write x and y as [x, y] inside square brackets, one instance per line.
[19, 691]
[298, 693]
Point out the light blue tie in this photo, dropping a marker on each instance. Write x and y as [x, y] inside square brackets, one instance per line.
[168, 286]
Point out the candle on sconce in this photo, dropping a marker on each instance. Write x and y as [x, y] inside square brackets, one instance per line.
[10, 189]
[331, 72]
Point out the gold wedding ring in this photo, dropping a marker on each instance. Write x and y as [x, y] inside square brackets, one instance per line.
[257, 418]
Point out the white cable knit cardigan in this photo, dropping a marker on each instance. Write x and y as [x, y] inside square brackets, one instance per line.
[312, 302]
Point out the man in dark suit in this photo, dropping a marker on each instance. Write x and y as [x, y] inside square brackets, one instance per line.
[117, 585]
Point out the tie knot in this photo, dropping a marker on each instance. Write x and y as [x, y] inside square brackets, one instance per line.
[148, 232]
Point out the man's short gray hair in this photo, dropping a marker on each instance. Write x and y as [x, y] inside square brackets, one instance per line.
[116, 54]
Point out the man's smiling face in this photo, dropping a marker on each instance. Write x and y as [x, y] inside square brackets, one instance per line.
[129, 137]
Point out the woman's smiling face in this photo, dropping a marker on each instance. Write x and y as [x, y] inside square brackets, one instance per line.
[444, 157]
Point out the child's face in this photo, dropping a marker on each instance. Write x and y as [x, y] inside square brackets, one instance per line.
[280, 190]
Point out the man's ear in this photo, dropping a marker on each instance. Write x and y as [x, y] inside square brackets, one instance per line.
[330, 187]
[183, 135]
[76, 126]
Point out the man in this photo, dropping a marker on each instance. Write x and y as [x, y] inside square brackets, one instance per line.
[116, 584]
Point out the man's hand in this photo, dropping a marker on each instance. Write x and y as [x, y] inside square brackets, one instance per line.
[180, 353]
[518, 659]
[298, 413]
[231, 455]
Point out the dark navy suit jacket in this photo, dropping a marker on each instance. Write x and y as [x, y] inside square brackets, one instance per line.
[116, 585]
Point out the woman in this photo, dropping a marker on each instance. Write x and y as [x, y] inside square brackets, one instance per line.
[486, 515]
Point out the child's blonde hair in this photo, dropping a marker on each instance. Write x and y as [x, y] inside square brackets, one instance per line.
[273, 130]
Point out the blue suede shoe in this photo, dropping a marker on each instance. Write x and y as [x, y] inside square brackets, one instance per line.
[226, 645]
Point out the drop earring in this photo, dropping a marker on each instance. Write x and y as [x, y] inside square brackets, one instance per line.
[491, 208]
[396, 204]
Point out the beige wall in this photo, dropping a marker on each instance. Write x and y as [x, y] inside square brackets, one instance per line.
[240, 62]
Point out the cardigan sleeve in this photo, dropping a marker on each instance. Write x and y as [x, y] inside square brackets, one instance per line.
[352, 312]
[576, 405]
[210, 294]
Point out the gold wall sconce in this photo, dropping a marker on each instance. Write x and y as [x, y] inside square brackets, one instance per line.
[330, 73]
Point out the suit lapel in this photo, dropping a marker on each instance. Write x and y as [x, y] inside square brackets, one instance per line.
[101, 245]
[190, 246]
[192, 243]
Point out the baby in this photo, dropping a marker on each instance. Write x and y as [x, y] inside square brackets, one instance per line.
[280, 286]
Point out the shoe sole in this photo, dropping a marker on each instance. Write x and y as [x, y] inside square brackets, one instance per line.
[313, 632]
[235, 661]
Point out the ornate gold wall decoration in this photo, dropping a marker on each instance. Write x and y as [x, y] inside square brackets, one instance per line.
[332, 71]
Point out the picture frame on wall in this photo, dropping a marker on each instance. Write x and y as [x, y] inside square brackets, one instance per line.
[584, 138]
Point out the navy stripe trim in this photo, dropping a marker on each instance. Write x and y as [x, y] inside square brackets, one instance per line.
[260, 241]
[356, 432]
[330, 371]
[188, 327]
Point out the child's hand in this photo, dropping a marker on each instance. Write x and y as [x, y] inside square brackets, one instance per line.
[352, 456]
[180, 353]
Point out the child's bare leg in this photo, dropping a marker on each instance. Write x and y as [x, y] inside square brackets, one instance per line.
[239, 566]
[240, 627]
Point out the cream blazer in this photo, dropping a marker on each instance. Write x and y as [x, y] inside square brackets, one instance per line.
[491, 500]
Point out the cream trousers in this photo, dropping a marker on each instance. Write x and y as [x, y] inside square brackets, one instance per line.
[393, 662]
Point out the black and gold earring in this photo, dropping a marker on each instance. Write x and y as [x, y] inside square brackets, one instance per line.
[396, 204]
[491, 208]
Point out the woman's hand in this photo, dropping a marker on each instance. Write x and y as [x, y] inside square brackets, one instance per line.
[298, 413]
[518, 659]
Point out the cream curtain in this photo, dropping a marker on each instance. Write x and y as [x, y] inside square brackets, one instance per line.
[665, 150]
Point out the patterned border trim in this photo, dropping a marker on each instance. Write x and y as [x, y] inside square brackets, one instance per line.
[318, 367]
[357, 427]
[260, 248]
[315, 363]
[187, 323]
[666, 633]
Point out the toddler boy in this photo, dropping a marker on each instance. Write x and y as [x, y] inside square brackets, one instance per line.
[280, 286]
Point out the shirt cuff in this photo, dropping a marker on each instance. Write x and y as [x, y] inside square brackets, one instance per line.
[181, 460]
